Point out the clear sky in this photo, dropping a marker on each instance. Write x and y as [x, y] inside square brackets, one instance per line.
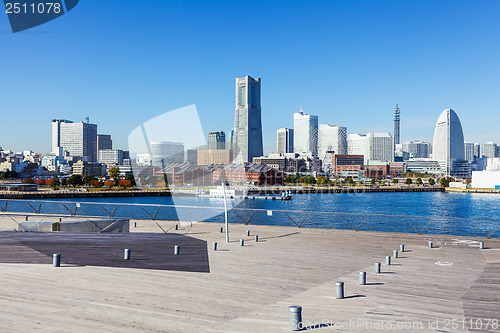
[124, 62]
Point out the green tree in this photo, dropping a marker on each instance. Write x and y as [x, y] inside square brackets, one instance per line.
[372, 181]
[419, 181]
[130, 177]
[432, 181]
[88, 179]
[114, 173]
[445, 182]
[55, 183]
[395, 181]
[64, 181]
[75, 180]
[408, 181]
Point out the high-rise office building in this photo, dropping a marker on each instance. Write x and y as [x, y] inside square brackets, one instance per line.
[111, 157]
[417, 149]
[78, 139]
[396, 125]
[305, 133]
[490, 150]
[104, 142]
[448, 145]
[471, 151]
[164, 152]
[216, 140]
[331, 138]
[373, 146]
[247, 141]
[356, 144]
[284, 140]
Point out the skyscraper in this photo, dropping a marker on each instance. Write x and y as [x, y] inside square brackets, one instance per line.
[471, 151]
[396, 125]
[417, 149]
[104, 142]
[216, 140]
[305, 133]
[331, 138]
[78, 139]
[448, 145]
[490, 149]
[373, 146]
[284, 140]
[247, 141]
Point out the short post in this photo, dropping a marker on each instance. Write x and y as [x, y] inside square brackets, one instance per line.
[295, 318]
[242, 242]
[387, 260]
[481, 245]
[126, 254]
[135, 224]
[430, 244]
[177, 226]
[221, 229]
[56, 259]
[256, 238]
[362, 278]
[395, 253]
[215, 246]
[176, 249]
[339, 290]
[248, 232]
[377, 267]
[401, 248]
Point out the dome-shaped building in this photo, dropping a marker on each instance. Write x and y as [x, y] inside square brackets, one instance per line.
[448, 144]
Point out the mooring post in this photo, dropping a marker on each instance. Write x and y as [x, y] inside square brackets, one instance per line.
[339, 290]
[215, 246]
[387, 260]
[242, 242]
[56, 259]
[395, 253]
[362, 278]
[377, 267]
[481, 245]
[176, 249]
[401, 248]
[430, 244]
[248, 232]
[295, 317]
[126, 254]
[256, 238]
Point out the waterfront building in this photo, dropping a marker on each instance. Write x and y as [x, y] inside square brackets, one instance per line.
[332, 138]
[216, 156]
[448, 145]
[343, 163]
[290, 162]
[104, 142]
[424, 165]
[247, 141]
[380, 147]
[490, 150]
[471, 151]
[78, 139]
[111, 157]
[163, 152]
[356, 144]
[216, 140]
[377, 169]
[284, 140]
[417, 149]
[84, 168]
[397, 169]
[305, 132]
[396, 125]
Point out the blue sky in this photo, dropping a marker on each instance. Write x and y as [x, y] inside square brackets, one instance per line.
[124, 62]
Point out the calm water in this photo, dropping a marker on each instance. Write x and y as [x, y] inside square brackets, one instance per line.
[353, 210]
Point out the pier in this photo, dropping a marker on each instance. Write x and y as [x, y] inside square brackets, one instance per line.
[246, 288]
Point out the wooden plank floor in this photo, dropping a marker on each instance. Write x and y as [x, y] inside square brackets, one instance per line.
[249, 288]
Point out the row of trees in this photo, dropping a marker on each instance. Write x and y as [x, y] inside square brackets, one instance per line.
[325, 181]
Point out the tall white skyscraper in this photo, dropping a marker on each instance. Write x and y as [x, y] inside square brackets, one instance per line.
[305, 132]
[332, 138]
[471, 151]
[284, 140]
[417, 149]
[490, 150]
[78, 139]
[373, 146]
[448, 145]
[357, 144]
[247, 141]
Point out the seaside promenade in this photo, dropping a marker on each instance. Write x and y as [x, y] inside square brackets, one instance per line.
[453, 287]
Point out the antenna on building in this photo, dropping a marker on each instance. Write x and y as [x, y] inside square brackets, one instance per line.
[301, 110]
[87, 120]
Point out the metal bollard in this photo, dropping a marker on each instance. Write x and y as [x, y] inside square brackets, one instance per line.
[126, 254]
[135, 224]
[401, 248]
[215, 246]
[295, 318]
[221, 229]
[377, 267]
[56, 259]
[176, 249]
[387, 260]
[256, 238]
[242, 242]
[248, 232]
[362, 278]
[176, 227]
[395, 253]
[481, 245]
[430, 244]
[339, 290]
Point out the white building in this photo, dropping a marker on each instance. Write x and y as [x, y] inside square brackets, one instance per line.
[305, 132]
[78, 139]
[284, 140]
[373, 146]
[357, 144]
[331, 138]
[417, 149]
[471, 151]
[112, 156]
[448, 145]
[164, 152]
[490, 150]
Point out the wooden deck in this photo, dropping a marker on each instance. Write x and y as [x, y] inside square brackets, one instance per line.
[249, 288]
